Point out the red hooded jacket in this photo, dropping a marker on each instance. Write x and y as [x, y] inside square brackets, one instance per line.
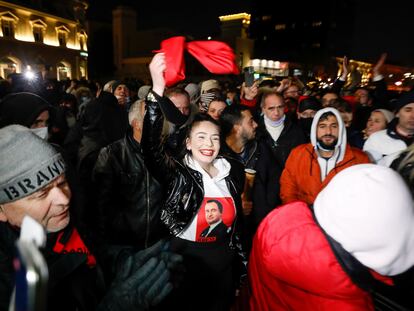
[292, 266]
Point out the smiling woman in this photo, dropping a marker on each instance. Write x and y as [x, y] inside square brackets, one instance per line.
[203, 143]
[206, 234]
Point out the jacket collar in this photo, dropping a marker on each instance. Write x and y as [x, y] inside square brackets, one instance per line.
[392, 132]
[250, 148]
[129, 137]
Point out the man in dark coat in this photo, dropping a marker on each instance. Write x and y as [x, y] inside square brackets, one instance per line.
[276, 129]
[216, 228]
[34, 184]
[240, 145]
[128, 197]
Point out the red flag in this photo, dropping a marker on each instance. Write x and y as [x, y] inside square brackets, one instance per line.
[216, 56]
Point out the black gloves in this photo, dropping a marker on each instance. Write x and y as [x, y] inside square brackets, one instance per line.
[143, 280]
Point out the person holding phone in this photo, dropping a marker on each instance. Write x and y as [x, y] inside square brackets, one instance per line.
[249, 90]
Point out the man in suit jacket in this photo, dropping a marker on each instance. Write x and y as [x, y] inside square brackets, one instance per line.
[216, 228]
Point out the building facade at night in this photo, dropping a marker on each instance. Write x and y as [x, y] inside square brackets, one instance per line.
[45, 37]
[312, 37]
[133, 48]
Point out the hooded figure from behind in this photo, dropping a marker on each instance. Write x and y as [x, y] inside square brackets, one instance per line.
[103, 122]
[24, 109]
[358, 237]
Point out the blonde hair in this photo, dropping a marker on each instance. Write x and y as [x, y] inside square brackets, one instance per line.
[136, 111]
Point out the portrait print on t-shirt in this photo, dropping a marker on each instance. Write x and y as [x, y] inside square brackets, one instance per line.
[215, 218]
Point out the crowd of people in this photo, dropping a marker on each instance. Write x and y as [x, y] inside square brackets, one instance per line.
[203, 195]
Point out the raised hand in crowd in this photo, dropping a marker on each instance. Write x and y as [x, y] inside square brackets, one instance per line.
[157, 68]
[376, 69]
[250, 92]
[345, 68]
[284, 84]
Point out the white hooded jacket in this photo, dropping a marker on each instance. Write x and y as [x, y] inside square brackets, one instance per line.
[327, 165]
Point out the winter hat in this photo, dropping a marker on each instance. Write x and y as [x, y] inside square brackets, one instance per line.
[28, 163]
[308, 103]
[21, 108]
[368, 209]
[209, 85]
[387, 114]
[207, 98]
[108, 86]
[116, 84]
[143, 91]
[404, 100]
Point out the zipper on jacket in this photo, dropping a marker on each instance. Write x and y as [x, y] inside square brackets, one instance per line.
[235, 219]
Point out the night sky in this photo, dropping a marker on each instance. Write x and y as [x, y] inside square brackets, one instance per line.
[380, 27]
[199, 18]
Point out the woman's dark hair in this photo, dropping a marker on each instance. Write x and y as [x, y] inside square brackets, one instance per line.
[197, 119]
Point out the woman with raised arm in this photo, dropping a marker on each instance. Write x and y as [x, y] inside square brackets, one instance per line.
[202, 204]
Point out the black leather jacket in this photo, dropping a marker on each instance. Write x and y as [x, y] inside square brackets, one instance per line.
[128, 200]
[185, 186]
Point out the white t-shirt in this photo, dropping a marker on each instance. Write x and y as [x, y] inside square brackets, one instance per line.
[215, 223]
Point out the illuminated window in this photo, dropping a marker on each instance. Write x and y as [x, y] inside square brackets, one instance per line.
[266, 18]
[317, 24]
[8, 23]
[63, 71]
[9, 65]
[62, 34]
[280, 26]
[7, 27]
[62, 38]
[316, 45]
[39, 28]
[38, 34]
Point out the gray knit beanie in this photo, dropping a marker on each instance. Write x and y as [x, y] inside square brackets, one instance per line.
[27, 164]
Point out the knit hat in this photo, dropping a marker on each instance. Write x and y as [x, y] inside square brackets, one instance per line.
[209, 85]
[368, 209]
[307, 102]
[21, 108]
[116, 84]
[404, 100]
[143, 91]
[207, 98]
[387, 114]
[28, 163]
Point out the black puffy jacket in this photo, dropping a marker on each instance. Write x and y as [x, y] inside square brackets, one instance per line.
[185, 192]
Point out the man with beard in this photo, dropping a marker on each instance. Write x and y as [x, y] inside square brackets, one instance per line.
[240, 146]
[311, 166]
